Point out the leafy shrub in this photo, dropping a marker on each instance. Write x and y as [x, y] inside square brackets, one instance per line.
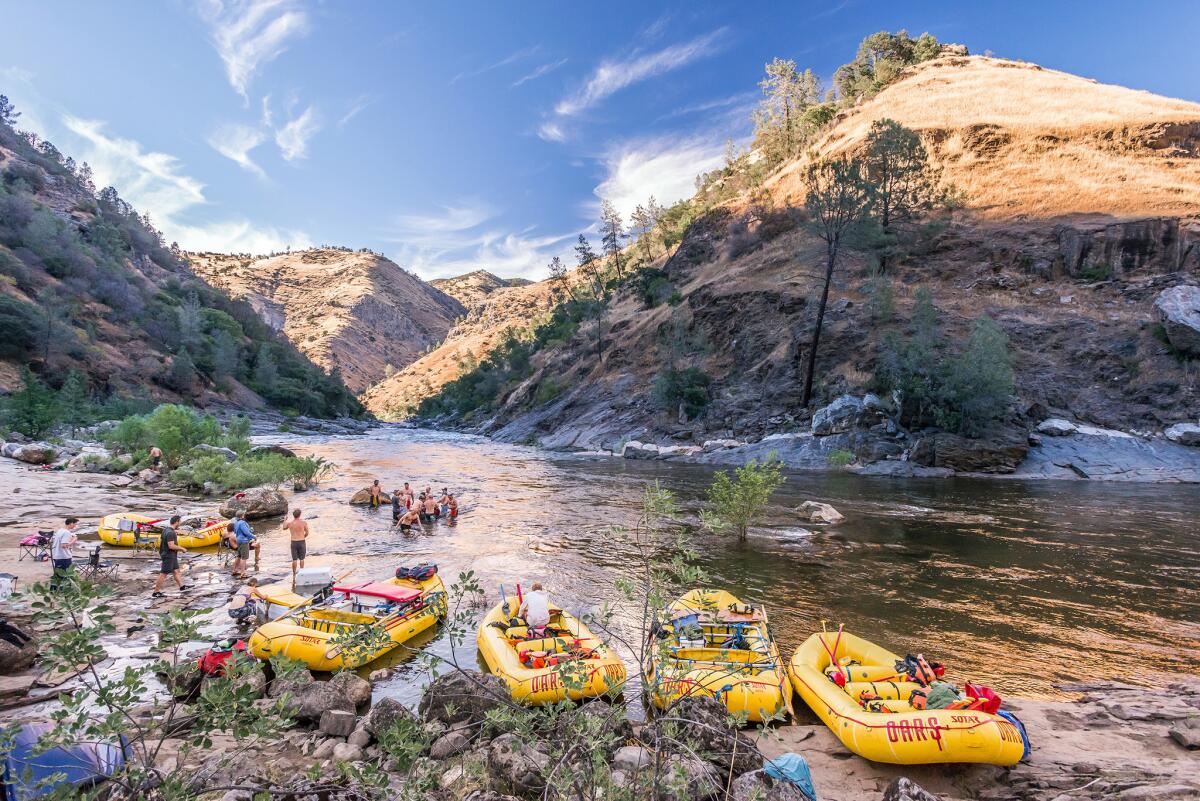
[176, 430]
[33, 410]
[652, 286]
[19, 323]
[688, 387]
[839, 457]
[549, 389]
[736, 503]
[312, 470]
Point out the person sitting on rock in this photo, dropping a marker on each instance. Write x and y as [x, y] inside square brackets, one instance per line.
[249, 606]
[535, 608]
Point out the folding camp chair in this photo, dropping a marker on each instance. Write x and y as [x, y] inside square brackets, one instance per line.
[141, 539]
[97, 569]
[36, 546]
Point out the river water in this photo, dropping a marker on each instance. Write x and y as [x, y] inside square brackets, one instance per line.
[1022, 585]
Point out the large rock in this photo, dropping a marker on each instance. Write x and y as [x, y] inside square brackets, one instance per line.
[354, 688]
[517, 767]
[838, 417]
[639, 450]
[337, 722]
[1057, 427]
[606, 725]
[466, 695]
[1001, 454]
[1179, 312]
[31, 453]
[363, 498]
[263, 450]
[632, 759]
[1187, 733]
[903, 789]
[14, 660]
[449, 744]
[344, 692]
[708, 731]
[213, 449]
[758, 786]
[1184, 433]
[690, 779]
[345, 752]
[386, 713]
[817, 512]
[256, 503]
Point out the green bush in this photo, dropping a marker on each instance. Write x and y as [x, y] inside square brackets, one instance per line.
[549, 389]
[688, 387]
[839, 457]
[176, 430]
[271, 470]
[33, 410]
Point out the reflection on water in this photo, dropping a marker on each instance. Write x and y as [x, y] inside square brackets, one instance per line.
[1019, 584]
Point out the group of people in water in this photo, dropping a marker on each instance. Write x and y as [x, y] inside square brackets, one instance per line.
[410, 508]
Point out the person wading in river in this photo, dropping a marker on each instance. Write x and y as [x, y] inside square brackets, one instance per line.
[444, 502]
[431, 509]
[410, 518]
[397, 505]
[376, 494]
[408, 496]
[168, 551]
[299, 530]
[452, 505]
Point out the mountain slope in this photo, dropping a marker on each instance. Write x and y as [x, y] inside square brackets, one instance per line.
[1067, 226]
[354, 311]
[86, 283]
[473, 287]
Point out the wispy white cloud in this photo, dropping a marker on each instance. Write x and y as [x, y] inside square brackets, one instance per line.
[665, 167]
[463, 237]
[739, 100]
[235, 141]
[155, 183]
[249, 33]
[357, 105]
[541, 71]
[512, 58]
[294, 136]
[614, 75]
[552, 132]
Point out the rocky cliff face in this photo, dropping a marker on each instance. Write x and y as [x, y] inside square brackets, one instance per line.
[354, 311]
[1080, 205]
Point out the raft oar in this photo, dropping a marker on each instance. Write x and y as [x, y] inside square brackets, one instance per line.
[833, 656]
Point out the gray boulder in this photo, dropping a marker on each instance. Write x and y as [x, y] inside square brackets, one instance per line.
[256, 503]
[14, 660]
[314, 700]
[1184, 433]
[817, 512]
[639, 450]
[1001, 453]
[838, 417]
[1187, 733]
[363, 498]
[337, 722]
[1178, 310]
[758, 786]
[31, 453]
[632, 759]
[466, 695]
[709, 732]
[690, 779]
[903, 789]
[516, 766]
[386, 713]
[345, 752]
[449, 744]
[355, 689]
[213, 449]
[1057, 427]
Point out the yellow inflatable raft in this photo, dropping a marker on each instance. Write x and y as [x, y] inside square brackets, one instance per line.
[399, 609]
[133, 531]
[898, 733]
[710, 643]
[536, 667]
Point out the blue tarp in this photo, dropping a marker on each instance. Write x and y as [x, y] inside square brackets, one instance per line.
[80, 764]
[792, 768]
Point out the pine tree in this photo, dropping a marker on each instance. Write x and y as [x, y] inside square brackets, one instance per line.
[586, 258]
[838, 197]
[614, 232]
[642, 224]
[33, 409]
[73, 403]
[8, 113]
[182, 373]
[558, 274]
[266, 372]
[224, 354]
[898, 166]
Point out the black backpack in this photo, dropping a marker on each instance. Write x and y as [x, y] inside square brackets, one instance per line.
[419, 573]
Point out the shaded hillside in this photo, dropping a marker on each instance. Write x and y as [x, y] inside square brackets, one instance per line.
[1064, 228]
[483, 328]
[86, 283]
[356, 312]
[473, 287]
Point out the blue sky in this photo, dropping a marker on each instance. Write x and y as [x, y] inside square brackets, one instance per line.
[456, 136]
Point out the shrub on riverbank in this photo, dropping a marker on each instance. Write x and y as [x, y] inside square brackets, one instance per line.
[176, 430]
[269, 470]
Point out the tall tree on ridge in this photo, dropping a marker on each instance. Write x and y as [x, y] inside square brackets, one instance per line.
[643, 225]
[558, 274]
[614, 232]
[838, 196]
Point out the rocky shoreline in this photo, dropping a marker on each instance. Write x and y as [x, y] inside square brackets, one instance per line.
[862, 435]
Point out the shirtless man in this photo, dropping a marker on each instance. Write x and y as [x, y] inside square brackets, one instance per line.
[452, 505]
[431, 509]
[299, 530]
[409, 519]
[156, 457]
[408, 496]
[444, 502]
[376, 494]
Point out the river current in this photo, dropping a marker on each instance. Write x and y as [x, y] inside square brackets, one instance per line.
[1021, 585]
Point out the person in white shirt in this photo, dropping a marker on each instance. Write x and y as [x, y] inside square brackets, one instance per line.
[61, 551]
[535, 608]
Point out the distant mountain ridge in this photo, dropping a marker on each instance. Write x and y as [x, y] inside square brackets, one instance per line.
[354, 311]
[471, 288]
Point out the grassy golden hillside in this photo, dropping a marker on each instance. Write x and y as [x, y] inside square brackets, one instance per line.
[1022, 141]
